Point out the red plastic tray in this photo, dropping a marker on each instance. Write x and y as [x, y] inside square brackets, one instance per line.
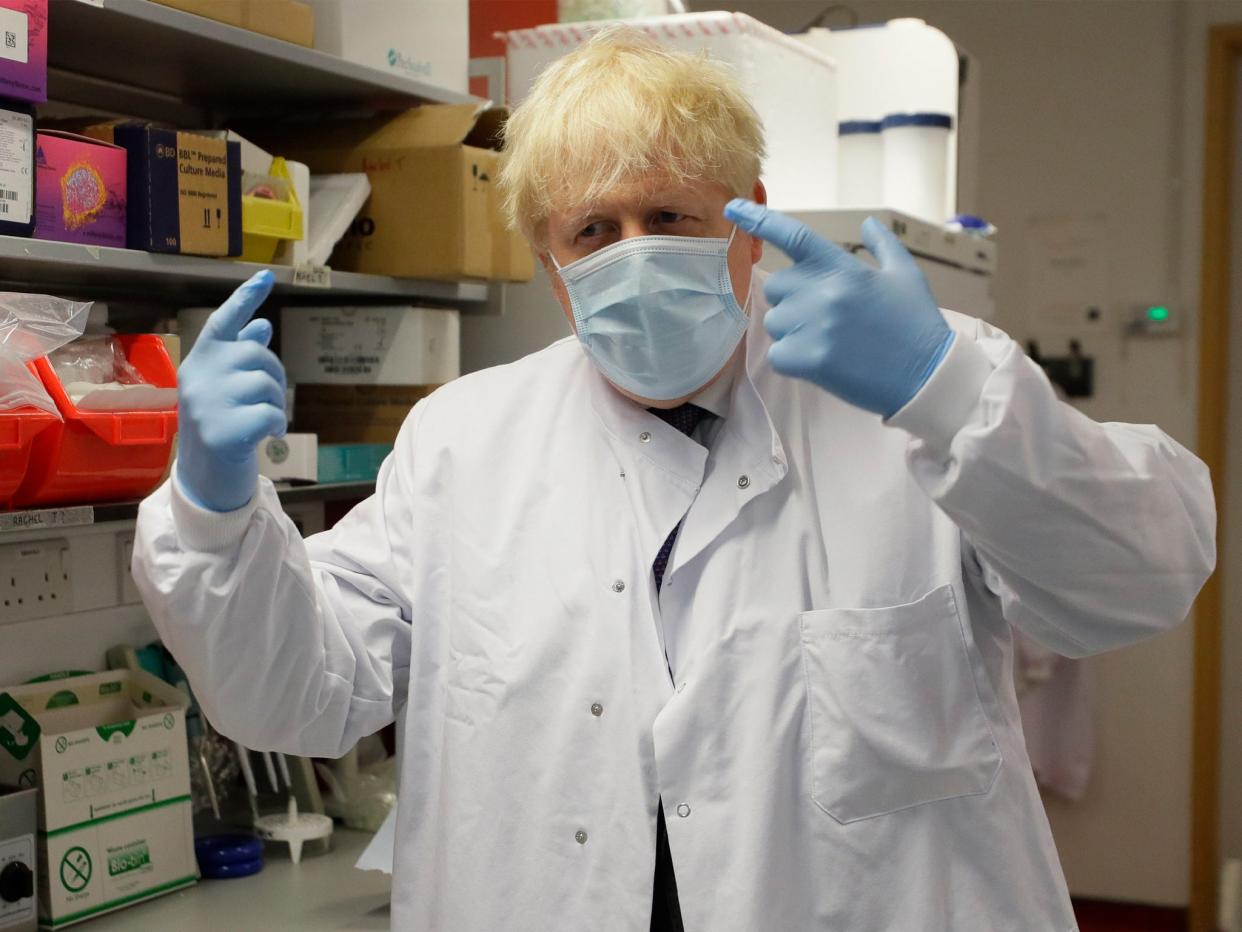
[102, 456]
[18, 430]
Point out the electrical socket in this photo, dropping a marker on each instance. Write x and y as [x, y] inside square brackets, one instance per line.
[34, 580]
[125, 550]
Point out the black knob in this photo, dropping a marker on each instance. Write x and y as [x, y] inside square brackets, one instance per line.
[16, 882]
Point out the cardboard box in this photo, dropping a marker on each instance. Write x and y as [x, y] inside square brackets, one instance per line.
[281, 19]
[434, 210]
[23, 50]
[791, 85]
[355, 413]
[184, 189]
[108, 753]
[427, 40]
[370, 345]
[81, 190]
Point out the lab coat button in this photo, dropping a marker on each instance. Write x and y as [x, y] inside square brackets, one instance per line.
[645, 436]
[580, 837]
[618, 586]
[743, 482]
[683, 810]
[596, 709]
[681, 687]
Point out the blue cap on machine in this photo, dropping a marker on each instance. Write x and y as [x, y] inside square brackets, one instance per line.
[936, 120]
[857, 127]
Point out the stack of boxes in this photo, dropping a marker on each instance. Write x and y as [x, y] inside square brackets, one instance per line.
[357, 372]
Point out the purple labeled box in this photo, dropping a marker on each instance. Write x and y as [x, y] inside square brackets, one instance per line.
[80, 190]
[23, 50]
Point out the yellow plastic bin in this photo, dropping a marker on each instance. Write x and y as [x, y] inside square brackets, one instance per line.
[266, 222]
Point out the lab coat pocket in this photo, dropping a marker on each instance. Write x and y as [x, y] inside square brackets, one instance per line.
[896, 719]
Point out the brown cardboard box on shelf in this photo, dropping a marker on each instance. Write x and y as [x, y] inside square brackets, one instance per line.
[355, 413]
[434, 210]
[281, 19]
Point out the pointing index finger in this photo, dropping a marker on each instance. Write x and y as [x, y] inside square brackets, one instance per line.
[796, 240]
[227, 320]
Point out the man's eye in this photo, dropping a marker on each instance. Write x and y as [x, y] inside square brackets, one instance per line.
[591, 230]
[669, 217]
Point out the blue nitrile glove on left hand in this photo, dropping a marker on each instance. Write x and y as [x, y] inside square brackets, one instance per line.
[230, 395]
[871, 336]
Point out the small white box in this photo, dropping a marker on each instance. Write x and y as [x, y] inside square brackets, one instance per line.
[293, 456]
[427, 40]
[108, 754]
[371, 345]
[791, 85]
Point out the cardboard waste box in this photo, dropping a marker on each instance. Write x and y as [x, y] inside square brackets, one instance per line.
[434, 210]
[108, 754]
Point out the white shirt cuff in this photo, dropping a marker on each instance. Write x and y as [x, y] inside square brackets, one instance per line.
[944, 404]
[205, 531]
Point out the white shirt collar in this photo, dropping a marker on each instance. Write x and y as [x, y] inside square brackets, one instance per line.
[715, 398]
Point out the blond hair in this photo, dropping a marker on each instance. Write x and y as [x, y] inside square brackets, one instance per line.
[618, 110]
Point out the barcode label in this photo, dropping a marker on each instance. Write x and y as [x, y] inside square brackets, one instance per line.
[4, 208]
[15, 26]
[8, 195]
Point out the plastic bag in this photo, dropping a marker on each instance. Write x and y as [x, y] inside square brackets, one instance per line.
[95, 360]
[33, 325]
[97, 377]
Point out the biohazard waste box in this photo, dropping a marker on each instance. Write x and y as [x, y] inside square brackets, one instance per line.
[107, 752]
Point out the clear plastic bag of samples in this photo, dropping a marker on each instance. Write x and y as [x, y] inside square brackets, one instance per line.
[97, 377]
[33, 325]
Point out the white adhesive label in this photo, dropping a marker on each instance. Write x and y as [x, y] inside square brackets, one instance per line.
[77, 516]
[308, 275]
[14, 36]
[16, 182]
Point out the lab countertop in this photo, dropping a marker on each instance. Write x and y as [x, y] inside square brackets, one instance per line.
[324, 892]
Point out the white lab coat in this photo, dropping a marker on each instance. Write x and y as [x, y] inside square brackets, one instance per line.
[838, 746]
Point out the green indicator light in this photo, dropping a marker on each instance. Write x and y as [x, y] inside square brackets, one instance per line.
[1157, 313]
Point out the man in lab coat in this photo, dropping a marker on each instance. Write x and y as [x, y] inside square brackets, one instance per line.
[719, 592]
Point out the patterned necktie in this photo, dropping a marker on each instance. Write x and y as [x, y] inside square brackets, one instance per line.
[685, 417]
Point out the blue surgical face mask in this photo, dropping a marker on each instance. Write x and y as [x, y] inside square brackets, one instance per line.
[657, 314]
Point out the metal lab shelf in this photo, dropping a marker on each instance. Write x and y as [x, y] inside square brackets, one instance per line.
[90, 271]
[70, 516]
[180, 56]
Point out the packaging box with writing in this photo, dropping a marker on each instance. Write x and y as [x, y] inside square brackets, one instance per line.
[82, 190]
[108, 754]
[370, 345]
[355, 413]
[434, 210]
[184, 189]
[23, 50]
[427, 40]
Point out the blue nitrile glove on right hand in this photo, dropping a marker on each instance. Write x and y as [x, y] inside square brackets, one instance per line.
[230, 395]
[870, 336]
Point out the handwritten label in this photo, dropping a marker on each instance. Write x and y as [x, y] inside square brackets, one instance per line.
[47, 517]
[308, 275]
